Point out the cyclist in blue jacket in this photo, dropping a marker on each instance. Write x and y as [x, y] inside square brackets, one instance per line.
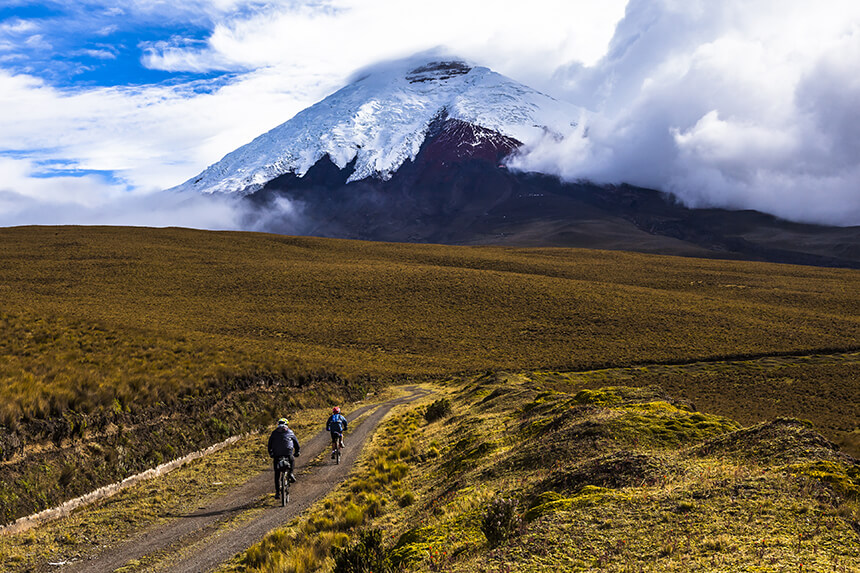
[336, 425]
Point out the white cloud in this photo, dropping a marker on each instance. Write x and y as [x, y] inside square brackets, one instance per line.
[17, 26]
[153, 137]
[525, 39]
[738, 104]
[94, 200]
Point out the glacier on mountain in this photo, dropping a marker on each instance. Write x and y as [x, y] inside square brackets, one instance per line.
[381, 119]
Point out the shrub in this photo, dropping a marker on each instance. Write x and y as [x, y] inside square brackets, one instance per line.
[67, 474]
[501, 521]
[365, 556]
[438, 410]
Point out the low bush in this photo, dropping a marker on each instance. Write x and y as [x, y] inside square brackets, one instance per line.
[366, 555]
[501, 521]
[438, 410]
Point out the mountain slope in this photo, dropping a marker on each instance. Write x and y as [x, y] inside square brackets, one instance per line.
[449, 195]
[381, 120]
[415, 151]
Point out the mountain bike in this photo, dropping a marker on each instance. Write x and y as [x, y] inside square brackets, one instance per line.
[336, 450]
[284, 468]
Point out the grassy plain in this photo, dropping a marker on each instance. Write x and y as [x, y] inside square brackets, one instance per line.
[175, 338]
[93, 315]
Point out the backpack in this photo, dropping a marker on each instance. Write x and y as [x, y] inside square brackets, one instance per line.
[335, 423]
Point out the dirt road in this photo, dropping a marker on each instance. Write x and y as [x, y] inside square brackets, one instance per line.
[194, 542]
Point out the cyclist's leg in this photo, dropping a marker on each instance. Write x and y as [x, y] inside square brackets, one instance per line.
[277, 475]
[292, 461]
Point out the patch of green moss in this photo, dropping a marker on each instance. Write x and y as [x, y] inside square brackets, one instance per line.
[551, 502]
[537, 427]
[459, 532]
[602, 397]
[661, 423]
[843, 478]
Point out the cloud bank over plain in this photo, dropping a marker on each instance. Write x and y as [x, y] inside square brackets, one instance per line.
[738, 104]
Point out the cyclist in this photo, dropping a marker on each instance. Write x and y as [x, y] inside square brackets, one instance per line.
[283, 444]
[336, 425]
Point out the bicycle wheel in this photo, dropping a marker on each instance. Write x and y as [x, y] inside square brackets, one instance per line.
[285, 488]
[337, 456]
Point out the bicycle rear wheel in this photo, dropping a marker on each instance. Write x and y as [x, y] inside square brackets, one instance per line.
[337, 456]
[285, 488]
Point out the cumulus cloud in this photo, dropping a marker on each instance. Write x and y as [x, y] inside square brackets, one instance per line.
[732, 104]
[153, 137]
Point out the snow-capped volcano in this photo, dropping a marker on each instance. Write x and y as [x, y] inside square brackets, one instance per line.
[381, 119]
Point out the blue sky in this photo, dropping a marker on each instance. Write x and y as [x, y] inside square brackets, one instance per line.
[78, 45]
[738, 103]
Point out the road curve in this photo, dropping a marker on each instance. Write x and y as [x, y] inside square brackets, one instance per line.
[191, 544]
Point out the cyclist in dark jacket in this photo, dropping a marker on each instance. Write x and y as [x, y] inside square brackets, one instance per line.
[336, 426]
[283, 444]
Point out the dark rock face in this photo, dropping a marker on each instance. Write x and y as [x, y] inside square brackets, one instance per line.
[455, 141]
[438, 71]
[458, 192]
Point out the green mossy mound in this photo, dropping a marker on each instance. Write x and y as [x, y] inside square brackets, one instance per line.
[782, 441]
[660, 424]
[616, 470]
[843, 477]
[550, 502]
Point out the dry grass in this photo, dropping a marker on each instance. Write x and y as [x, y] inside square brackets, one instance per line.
[107, 329]
[147, 504]
[89, 315]
[376, 483]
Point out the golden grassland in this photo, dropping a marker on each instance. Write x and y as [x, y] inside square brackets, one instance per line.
[124, 347]
[112, 317]
[620, 479]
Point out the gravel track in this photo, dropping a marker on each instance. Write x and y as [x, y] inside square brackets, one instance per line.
[191, 543]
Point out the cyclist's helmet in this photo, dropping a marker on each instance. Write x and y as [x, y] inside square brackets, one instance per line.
[335, 410]
[282, 422]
